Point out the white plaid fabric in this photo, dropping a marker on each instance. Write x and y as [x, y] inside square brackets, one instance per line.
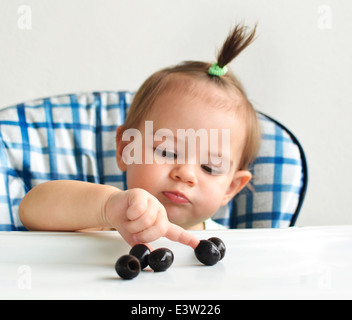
[73, 137]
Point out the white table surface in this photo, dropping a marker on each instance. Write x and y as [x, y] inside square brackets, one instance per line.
[293, 263]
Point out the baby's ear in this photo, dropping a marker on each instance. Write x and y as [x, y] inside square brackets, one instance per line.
[239, 181]
[120, 145]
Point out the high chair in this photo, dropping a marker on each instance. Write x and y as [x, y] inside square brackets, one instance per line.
[73, 137]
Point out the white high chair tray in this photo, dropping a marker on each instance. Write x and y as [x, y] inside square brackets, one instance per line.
[292, 263]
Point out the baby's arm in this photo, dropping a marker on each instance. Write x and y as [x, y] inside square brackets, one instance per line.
[64, 205]
[74, 205]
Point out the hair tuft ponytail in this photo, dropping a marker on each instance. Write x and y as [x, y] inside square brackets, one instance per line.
[236, 42]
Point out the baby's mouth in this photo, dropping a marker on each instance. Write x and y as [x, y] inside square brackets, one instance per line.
[176, 197]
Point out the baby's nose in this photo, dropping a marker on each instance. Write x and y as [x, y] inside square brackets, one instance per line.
[185, 173]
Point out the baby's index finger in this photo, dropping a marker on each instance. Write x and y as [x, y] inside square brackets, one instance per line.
[177, 233]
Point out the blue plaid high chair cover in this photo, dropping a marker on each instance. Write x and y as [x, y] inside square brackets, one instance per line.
[73, 137]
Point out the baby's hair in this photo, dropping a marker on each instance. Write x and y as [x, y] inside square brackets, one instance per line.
[169, 78]
[236, 42]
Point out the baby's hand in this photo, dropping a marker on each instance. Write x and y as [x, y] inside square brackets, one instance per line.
[141, 218]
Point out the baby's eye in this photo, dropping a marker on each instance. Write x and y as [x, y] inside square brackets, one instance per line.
[165, 153]
[211, 170]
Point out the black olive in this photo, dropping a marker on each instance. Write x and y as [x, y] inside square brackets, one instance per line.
[161, 259]
[220, 244]
[127, 266]
[207, 252]
[141, 252]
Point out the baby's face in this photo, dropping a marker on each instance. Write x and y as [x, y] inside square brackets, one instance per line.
[191, 183]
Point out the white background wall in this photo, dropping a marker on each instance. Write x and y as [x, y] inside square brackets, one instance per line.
[299, 70]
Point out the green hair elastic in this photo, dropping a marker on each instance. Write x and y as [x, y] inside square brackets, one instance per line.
[215, 70]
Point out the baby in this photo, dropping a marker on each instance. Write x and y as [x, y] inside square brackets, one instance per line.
[186, 145]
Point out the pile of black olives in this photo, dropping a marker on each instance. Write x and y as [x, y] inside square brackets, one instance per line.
[128, 266]
[210, 251]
